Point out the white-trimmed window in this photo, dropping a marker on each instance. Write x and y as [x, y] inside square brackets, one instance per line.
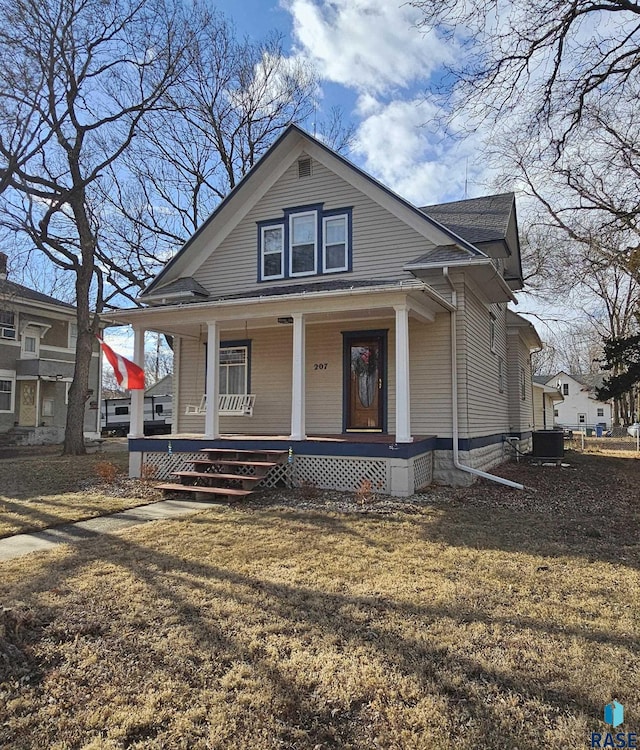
[7, 390]
[565, 389]
[47, 407]
[555, 413]
[335, 248]
[7, 324]
[303, 243]
[600, 411]
[272, 245]
[30, 344]
[500, 375]
[492, 332]
[234, 371]
[73, 335]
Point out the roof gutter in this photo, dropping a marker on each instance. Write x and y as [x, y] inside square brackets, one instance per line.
[454, 396]
[400, 286]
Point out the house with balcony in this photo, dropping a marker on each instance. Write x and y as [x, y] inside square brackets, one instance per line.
[318, 313]
[37, 362]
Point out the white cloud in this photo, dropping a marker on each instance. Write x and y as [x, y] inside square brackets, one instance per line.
[368, 45]
[397, 144]
[373, 49]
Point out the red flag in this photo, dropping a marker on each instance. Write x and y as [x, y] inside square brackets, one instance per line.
[128, 374]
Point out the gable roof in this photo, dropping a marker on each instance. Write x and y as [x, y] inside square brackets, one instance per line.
[259, 179]
[11, 289]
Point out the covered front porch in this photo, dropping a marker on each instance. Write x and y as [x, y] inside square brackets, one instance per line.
[325, 374]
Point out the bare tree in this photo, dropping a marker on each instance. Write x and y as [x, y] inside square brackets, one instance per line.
[79, 76]
[235, 99]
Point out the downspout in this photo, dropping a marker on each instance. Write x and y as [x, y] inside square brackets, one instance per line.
[454, 396]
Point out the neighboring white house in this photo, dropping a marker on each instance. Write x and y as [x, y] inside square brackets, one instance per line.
[545, 399]
[580, 408]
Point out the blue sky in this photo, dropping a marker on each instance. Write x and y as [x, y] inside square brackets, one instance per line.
[375, 64]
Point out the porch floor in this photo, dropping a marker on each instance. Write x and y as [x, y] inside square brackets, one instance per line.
[347, 437]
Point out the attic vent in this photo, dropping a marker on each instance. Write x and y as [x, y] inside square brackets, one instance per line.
[304, 168]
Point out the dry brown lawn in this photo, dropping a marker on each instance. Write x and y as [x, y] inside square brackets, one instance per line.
[38, 492]
[475, 618]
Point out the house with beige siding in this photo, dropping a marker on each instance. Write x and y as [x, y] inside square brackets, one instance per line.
[319, 313]
[37, 361]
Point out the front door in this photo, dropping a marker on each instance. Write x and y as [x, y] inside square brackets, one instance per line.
[27, 416]
[365, 371]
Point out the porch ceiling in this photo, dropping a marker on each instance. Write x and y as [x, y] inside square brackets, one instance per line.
[187, 320]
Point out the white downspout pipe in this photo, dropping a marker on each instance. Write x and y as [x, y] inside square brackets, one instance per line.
[454, 397]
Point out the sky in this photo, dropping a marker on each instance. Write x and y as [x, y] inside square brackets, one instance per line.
[376, 64]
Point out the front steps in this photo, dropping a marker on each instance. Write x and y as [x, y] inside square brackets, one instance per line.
[225, 472]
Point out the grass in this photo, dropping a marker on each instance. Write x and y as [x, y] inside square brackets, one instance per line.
[37, 492]
[476, 618]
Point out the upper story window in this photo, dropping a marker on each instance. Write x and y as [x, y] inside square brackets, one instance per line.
[7, 324]
[303, 234]
[565, 389]
[306, 242]
[73, 335]
[30, 343]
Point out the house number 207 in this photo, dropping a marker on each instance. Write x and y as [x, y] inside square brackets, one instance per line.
[320, 366]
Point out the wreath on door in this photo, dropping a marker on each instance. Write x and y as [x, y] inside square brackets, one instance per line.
[364, 364]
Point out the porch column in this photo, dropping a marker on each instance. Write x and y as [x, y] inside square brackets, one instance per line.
[211, 418]
[136, 425]
[298, 431]
[403, 396]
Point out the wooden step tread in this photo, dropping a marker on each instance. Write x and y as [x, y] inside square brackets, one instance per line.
[197, 488]
[217, 475]
[232, 462]
[245, 451]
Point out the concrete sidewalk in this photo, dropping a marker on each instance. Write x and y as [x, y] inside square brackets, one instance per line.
[22, 544]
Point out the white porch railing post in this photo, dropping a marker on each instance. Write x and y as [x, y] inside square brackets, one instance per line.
[211, 420]
[403, 393]
[136, 425]
[298, 429]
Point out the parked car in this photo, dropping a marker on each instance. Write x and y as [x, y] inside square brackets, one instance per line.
[633, 429]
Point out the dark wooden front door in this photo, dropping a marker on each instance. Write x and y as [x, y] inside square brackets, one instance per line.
[364, 380]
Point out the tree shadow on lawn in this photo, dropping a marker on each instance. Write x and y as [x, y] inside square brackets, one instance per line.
[303, 715]
[589, 510]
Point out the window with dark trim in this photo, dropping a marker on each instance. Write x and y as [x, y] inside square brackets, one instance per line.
[306, 241]
[234, 372]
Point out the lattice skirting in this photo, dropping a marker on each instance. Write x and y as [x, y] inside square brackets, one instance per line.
[344, 473]
[422, 471]
[341, 473]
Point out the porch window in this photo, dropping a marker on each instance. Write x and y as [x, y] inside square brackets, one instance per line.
[234, 370]
[272, 260]
[7, 324]
[303, 238]
[335, 250]
[6, 392]
[47, 407]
